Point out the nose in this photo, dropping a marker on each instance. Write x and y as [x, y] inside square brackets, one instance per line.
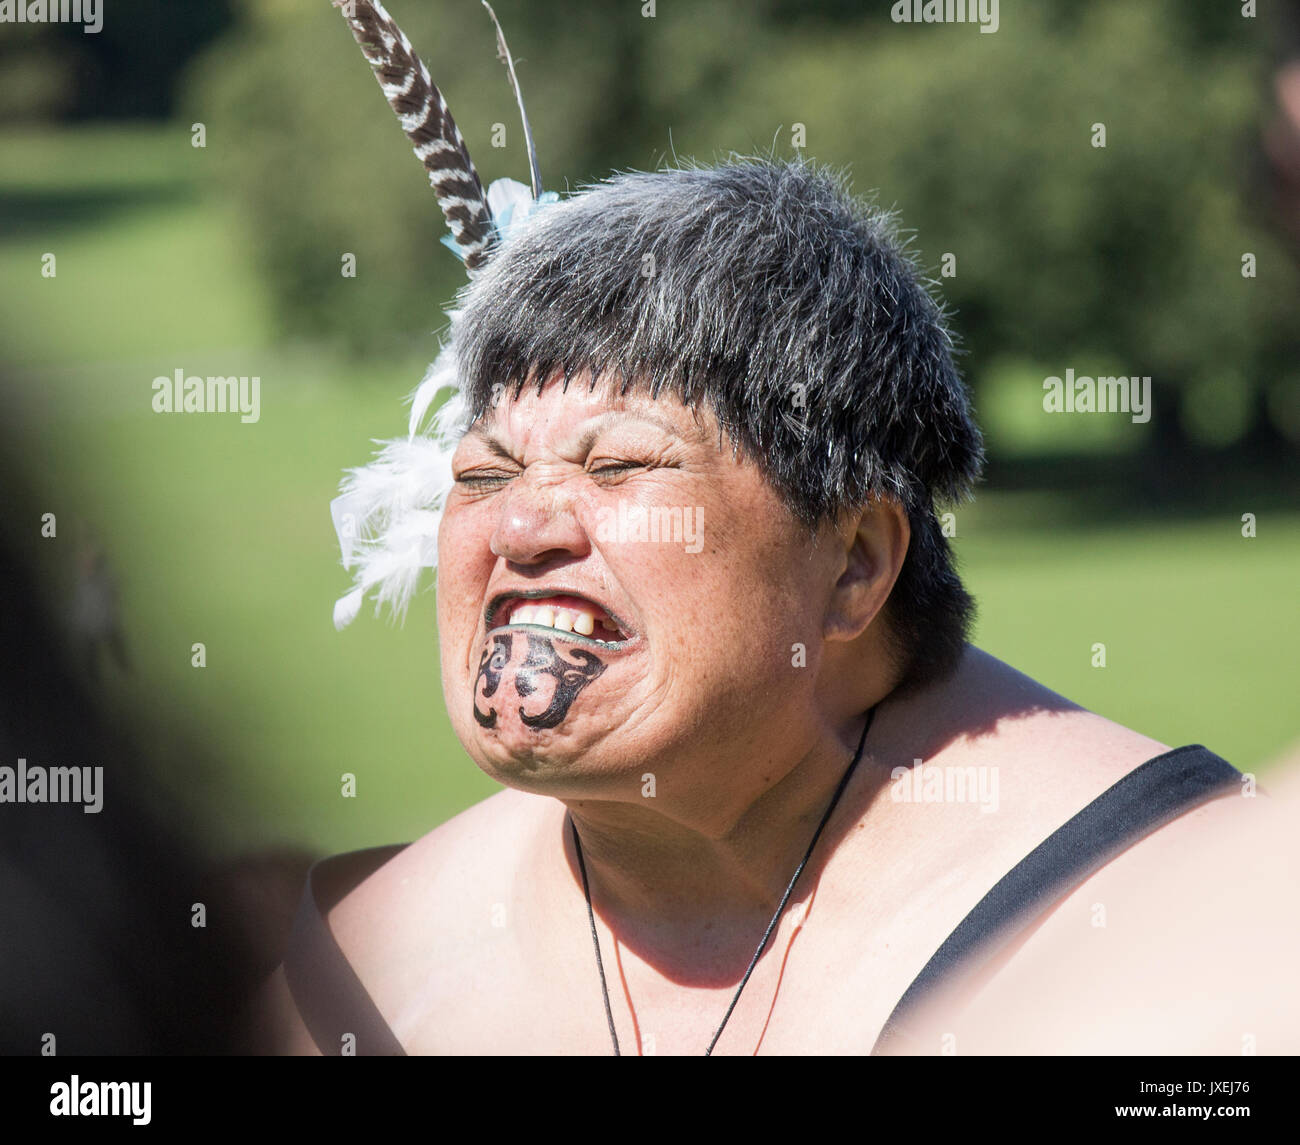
[537, 523]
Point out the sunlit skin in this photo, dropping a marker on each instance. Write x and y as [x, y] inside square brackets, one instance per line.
[744, 746]
[704, 695]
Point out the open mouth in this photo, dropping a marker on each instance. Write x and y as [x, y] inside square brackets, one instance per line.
[566, 614]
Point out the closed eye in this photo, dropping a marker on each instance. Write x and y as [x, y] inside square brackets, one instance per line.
[612, 467]
[481, 479]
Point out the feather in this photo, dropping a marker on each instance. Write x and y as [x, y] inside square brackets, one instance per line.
[387, 520]
[428, 125]
[503, 51]
[441, 375]
[388, 512]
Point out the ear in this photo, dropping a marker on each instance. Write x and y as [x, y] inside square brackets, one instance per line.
[874, 544]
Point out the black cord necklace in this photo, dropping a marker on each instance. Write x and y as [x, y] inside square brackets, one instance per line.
[771, 926]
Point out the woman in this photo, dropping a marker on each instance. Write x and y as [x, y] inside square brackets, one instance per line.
[697, 614]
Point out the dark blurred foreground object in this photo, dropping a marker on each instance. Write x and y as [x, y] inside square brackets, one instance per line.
[97, 946]
[96, 616]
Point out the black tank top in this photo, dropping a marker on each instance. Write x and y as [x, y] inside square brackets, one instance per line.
[332, 1001]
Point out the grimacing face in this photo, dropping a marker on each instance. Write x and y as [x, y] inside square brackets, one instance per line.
[670, 654]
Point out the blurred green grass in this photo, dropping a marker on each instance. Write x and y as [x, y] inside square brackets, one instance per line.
[219, 532]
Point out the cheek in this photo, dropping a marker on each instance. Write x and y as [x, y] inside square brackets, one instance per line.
[465, 563]
[743, 609]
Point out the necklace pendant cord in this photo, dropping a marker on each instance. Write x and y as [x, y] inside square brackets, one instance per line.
[771, 926]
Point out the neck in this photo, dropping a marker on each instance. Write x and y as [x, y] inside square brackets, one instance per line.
[693, 889]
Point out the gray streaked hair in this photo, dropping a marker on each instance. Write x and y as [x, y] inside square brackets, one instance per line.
[792, 309]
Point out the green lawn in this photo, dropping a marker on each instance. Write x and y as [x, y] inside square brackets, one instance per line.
[220, 533]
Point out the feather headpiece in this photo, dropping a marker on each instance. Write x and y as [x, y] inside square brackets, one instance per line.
[388, 513]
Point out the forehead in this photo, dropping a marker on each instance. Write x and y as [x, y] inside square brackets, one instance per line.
[579, 411]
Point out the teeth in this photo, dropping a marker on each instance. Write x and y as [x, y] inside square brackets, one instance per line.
[562, 619]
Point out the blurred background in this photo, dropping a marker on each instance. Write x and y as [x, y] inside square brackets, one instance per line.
[225, 259]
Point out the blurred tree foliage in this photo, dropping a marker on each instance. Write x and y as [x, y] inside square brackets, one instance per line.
[1066, 253]
[128, 69]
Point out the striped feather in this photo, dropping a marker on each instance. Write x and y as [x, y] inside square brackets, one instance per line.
[428, 124]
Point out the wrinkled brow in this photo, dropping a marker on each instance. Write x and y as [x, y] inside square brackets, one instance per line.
[588, 439]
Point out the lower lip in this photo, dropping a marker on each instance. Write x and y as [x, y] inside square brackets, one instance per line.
[571, 637]
[559, 601]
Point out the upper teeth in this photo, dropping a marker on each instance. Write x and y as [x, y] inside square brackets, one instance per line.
[580, 621]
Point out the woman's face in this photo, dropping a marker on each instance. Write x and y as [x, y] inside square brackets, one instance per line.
[618, 594]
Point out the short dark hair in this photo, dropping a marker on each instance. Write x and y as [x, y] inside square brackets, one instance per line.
[793, 309]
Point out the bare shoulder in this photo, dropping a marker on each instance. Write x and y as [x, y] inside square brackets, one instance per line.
[420, 931]
[1074, 756]
[448, 880]
[1146, 862]
[1051, 755]
[1029, 760]
[1181, 944]
[434, 903]
[1045, 760]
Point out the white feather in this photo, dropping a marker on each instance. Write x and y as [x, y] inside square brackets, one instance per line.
[388, 512]
[387, 519]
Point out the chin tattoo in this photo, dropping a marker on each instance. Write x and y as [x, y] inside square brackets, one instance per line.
[542, 659]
